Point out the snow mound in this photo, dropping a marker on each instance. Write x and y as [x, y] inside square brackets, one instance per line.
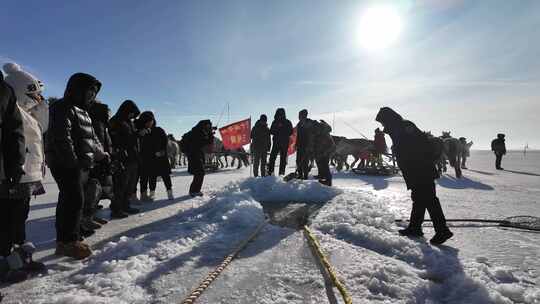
[389, 266]
[274, 189]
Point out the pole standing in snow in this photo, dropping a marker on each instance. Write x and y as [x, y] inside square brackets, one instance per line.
[415, 158]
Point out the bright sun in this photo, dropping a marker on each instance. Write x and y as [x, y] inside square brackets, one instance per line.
[380, 26]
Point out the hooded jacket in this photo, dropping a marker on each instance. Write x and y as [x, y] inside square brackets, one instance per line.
[498, 145]
[12, 142]
[260, 137]
[323, 143]
[154, 157]
[71, 141]
[281, 129]
[123, 133]
[193, 143]
[305, 135]
[411, 147]
[100, 115]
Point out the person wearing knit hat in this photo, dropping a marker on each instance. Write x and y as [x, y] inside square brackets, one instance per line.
[27, 89]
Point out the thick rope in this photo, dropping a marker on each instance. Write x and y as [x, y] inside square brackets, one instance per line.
[312, 240]
[196, 293]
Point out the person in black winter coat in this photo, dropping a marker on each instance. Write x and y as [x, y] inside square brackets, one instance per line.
[281, 131]
[125, 141]
[154, 158]
[193, 145]
[100, 185]
[260, 145]
[12, 159]
[304, 143]
[498, 147]
[72, 149]
[415, 158]
[323, 146]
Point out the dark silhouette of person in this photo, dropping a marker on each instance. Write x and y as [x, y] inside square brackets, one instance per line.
[498, 147]
[260, 145]
[281, 131]
[304, 143]
[194, 144]
[415, 158]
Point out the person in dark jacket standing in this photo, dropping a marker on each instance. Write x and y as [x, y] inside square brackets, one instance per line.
[125, 140]
[260, 145]
[194, 144]
[415, 158]
[498, 147]
[304, 143]
[71, 152]
[281, 131]
[154, 158]
[100, 183]
[324, 146]
[380, 147]
[12, 159]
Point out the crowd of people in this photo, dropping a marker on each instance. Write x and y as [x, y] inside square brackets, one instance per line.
[93, 156]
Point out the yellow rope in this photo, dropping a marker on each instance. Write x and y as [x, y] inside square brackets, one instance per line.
[196, 293]
[324, 261]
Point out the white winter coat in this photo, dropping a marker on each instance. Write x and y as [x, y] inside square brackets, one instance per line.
[33, 165]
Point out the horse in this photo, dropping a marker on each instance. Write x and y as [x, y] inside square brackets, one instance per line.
[437, 144]
[239, 154]
[454, 151]
[173, 151]
[356, 147]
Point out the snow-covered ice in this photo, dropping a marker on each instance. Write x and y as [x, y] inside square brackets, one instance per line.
[161, 255]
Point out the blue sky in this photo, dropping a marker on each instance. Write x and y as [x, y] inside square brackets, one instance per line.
[467, 66]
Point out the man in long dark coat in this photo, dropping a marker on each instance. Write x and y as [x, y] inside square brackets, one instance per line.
[415, 158]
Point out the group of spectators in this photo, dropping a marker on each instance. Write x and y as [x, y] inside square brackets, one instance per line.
[91, 156]
[313, 142]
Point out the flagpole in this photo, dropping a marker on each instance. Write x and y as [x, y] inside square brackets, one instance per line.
[250, 150]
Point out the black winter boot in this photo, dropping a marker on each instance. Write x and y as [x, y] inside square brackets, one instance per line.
[412, 232]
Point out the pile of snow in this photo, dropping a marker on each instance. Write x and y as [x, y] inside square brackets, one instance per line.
[374, 257]
[356, 229]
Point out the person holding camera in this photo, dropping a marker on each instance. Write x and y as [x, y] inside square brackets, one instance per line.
[194, 144]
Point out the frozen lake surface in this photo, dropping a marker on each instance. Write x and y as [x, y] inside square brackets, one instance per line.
[159, 256]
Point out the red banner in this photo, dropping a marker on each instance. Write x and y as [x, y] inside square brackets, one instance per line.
[292, 143]
[236, 135]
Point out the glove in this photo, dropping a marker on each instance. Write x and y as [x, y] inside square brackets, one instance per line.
[16, 176]
[160, 154]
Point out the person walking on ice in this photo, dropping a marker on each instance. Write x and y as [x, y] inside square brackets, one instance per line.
[415, 158]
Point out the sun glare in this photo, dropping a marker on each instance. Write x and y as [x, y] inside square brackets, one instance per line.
[379, 27]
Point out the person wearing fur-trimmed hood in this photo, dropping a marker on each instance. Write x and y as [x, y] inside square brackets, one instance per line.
[28, 90]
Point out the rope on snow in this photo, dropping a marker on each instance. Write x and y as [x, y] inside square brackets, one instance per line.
[314, 243]
[196, 293]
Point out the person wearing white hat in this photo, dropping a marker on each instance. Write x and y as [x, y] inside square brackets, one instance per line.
[34, 113]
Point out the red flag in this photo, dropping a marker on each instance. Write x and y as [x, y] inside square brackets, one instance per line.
[292, 143]
[236, 135]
